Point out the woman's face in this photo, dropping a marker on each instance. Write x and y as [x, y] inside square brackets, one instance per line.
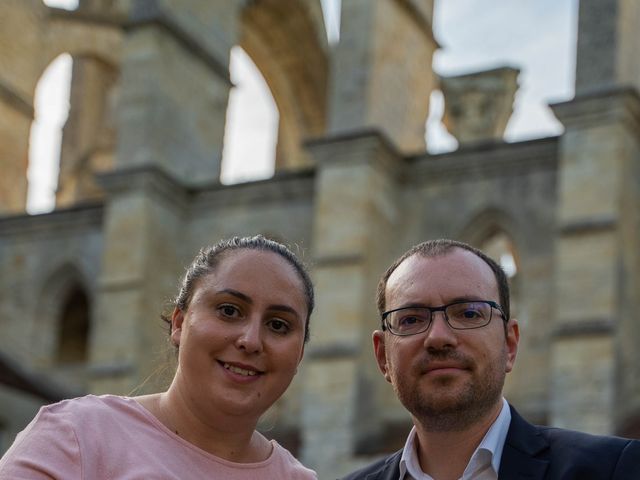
[242, 336]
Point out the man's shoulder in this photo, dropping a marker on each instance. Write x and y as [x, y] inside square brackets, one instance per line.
[566, 453]
[382, 469]
[584, 442]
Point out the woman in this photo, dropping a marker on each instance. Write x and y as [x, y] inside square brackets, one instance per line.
[239, 323]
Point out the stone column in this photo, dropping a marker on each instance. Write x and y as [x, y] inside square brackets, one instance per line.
[16, 115]
[140, 266]
[594, 362]
[22, 23]
[355, 208]
[608, 43]
[381, 73]
[175, 86]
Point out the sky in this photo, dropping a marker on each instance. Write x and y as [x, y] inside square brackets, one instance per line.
[538, 37]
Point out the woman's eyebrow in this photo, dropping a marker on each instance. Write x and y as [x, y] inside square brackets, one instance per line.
[284, 308]
[238, 294]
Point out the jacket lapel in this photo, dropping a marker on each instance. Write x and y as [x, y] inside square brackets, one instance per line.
[390, 470]
[525, 451]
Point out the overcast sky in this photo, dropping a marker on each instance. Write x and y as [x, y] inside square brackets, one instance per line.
[538, 37]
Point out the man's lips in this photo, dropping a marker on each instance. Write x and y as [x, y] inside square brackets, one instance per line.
[444, 367]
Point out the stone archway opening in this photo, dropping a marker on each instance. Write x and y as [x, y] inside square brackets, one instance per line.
[51, 111]
[73, 329]
[500, 247]
[251, 128]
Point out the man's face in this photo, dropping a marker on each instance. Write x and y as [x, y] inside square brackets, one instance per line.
[446, 378]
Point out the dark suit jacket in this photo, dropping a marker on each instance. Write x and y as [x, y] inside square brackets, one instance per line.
[544, 453]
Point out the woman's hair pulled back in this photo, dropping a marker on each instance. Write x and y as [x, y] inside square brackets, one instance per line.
[210, 257]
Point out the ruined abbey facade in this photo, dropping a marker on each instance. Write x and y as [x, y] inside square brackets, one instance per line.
[81, 288]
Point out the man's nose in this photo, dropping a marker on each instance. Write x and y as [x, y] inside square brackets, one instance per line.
[440, 334]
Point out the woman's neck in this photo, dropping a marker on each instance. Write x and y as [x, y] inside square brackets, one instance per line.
[228, 437]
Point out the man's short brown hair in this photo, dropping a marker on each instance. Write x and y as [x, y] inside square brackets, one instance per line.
[437, 248]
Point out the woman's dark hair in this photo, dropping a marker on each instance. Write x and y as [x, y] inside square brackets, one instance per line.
[209, 258]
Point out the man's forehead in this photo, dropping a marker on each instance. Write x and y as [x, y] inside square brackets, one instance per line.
[456, 267]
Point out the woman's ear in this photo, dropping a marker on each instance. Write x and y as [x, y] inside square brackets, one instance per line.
[177, 319]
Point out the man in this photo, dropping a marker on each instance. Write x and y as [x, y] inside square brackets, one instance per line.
[446, 344]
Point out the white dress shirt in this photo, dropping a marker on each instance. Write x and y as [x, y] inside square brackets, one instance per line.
[484, 463]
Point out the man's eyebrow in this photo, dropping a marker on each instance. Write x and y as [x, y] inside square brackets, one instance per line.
[466, 298]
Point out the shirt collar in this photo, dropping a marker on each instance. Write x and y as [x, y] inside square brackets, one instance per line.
[492, 444]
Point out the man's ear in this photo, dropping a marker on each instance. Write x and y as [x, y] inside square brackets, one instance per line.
[379, 348]
[177, 320]
[513, 337]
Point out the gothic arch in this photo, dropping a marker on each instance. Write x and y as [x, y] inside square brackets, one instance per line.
[287, 43]
[69, 32]
[496, 233]
[65, 287]
[489, 222]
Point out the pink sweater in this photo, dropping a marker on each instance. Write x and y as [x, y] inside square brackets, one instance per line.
[110, 437]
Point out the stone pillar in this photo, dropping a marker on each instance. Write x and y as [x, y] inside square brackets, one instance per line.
[16, 115]
[22, 23]
[355, 209]
[594, 362]
[88, 140]
[175, 86]
[607, 44]
[381, 73]
[140, 267]
[597, 268]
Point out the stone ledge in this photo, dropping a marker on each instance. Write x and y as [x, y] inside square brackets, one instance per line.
[115, 369]
[596, 326]
[333, 351]
[366, 145]
[599, 107]
[490, 158]
[283, 186]
[589, 225]
[148, 178]
[84, 216]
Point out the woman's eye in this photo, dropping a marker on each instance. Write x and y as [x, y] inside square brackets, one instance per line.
[229, 310]
[279, 326]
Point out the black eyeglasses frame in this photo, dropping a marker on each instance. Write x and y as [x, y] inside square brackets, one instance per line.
[441, 308]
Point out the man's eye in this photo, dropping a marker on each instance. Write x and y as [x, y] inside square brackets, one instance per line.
[409, 320]
[279, 326]
[412, 320]
[471, 313]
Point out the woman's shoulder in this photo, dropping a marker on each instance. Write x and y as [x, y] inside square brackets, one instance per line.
[291, 465]
[90, 408]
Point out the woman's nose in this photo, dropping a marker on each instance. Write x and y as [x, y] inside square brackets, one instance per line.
[250, 338]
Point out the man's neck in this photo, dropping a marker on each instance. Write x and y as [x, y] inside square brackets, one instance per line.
[445, 455]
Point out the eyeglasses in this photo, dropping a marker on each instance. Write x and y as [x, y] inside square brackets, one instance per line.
[464, 315]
